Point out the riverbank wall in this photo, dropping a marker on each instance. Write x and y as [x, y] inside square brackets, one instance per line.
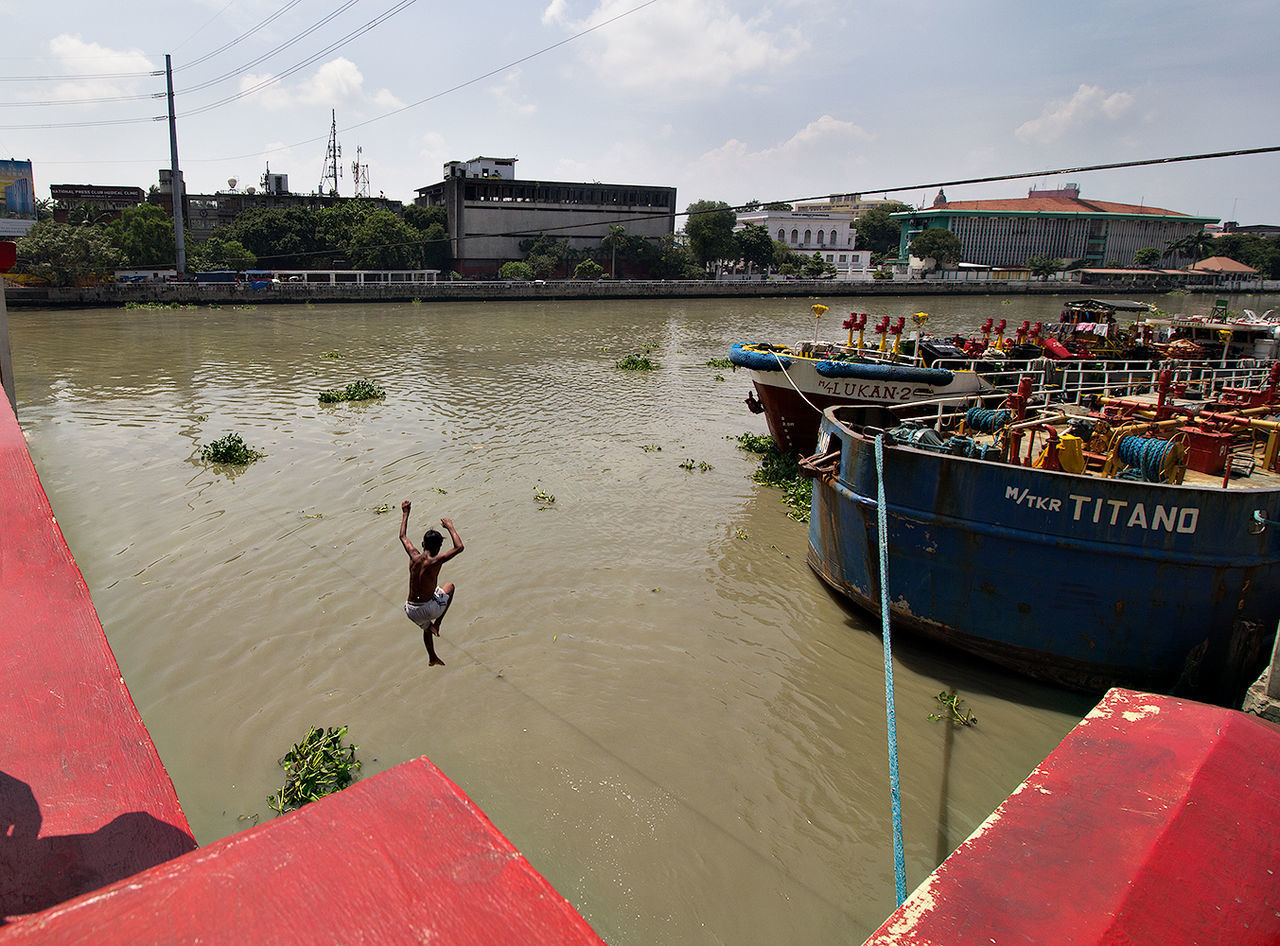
[190, 293]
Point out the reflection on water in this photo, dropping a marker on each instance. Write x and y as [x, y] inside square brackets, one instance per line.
[647, 689]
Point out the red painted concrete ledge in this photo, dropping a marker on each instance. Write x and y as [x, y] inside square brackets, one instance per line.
[401, 857]
[1153, 822]
[84, 798]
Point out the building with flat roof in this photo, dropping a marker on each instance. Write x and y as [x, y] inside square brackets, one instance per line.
[1055, 223]
[491, 212]
[831, 235]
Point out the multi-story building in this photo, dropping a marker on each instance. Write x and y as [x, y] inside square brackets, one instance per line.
[832, 235]
[1055, 223]
[491, 212]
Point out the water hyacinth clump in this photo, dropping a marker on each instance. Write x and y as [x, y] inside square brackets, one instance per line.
[317, 766]
[229, 449]
[355, 391]
[782, 471]
[636, 362]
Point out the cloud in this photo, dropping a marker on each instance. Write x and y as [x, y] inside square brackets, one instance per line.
[76, 57]
[1090, 106]
[683, 49]
[822, 152]
[507, 93]
[336, 83]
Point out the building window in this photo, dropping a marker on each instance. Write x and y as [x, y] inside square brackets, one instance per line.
[844, 258]
[782, 235]
[794, 236]
[808, 237]
[820, 238]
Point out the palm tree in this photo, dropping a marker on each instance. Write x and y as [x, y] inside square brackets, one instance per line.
[615, 235]
[1196, 245]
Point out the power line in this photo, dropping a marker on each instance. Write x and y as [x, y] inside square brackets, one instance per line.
[272, 80]
[271, 52]
[243, 36]
[449, 91]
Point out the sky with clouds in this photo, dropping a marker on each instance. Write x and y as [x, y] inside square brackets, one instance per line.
[781, 100]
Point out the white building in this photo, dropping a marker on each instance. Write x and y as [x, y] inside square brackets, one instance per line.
[832, 235]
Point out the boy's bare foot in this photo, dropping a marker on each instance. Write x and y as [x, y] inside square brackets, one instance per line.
[435, 661]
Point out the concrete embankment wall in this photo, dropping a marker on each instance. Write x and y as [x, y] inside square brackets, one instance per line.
[490, 290]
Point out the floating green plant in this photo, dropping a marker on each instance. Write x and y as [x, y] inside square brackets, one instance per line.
[953, 711]
[544, 499]
[355, 391]
[721, 363]
[317, 766]
[651, 447]
[383, 508]
[229, 449]
[636, 362]
[331, 354]
[780, 470]
[741, 533]
[702, 465]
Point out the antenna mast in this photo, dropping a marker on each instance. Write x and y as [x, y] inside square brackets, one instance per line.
[360, 175]
[332, 164]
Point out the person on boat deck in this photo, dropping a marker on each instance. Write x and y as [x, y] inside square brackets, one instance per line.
[426, 607]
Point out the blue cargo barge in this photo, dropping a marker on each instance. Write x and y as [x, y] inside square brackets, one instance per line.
[1083, 580]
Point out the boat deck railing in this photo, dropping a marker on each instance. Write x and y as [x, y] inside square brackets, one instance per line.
[1055, 383]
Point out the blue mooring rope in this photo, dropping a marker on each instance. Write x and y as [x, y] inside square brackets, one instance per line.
[1147, 455]
[986, 420]
[899, 859]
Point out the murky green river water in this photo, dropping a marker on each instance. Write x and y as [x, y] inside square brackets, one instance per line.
[646, 688]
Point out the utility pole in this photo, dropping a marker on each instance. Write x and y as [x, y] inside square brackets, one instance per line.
[175, 177]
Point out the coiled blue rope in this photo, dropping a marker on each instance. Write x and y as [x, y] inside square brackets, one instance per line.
[899, 859]
[1146, 455]
[986, 420]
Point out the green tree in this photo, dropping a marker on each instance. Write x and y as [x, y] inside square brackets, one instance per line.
[588, 269]
[143, 235]
[1262, 253]
[217, 253]
[709, 230]
[280, 237]
[815, 266]
[673, 260]
[436, 253]
[1194, 246]
[381, 240]
[779, 205]
[878, 233]
[515, 269]
[1044, 266]
[67, 255]
[942, 246]
[420, 217]
[616, 236]
[755, 246]
[1146, 257]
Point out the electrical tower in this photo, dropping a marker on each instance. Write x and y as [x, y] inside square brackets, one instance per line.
[332, 161]
[360, 175]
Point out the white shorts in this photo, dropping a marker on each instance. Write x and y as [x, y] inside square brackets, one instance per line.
[426, 613]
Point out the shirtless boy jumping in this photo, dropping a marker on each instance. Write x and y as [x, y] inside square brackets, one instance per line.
[425, 607]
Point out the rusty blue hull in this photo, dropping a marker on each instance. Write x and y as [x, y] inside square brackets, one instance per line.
[1082, 581]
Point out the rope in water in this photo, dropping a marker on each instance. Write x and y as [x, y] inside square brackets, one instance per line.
[1146, 454]
[986, 420]
[899, 859]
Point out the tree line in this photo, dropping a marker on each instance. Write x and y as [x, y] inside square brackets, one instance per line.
[352, 235]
